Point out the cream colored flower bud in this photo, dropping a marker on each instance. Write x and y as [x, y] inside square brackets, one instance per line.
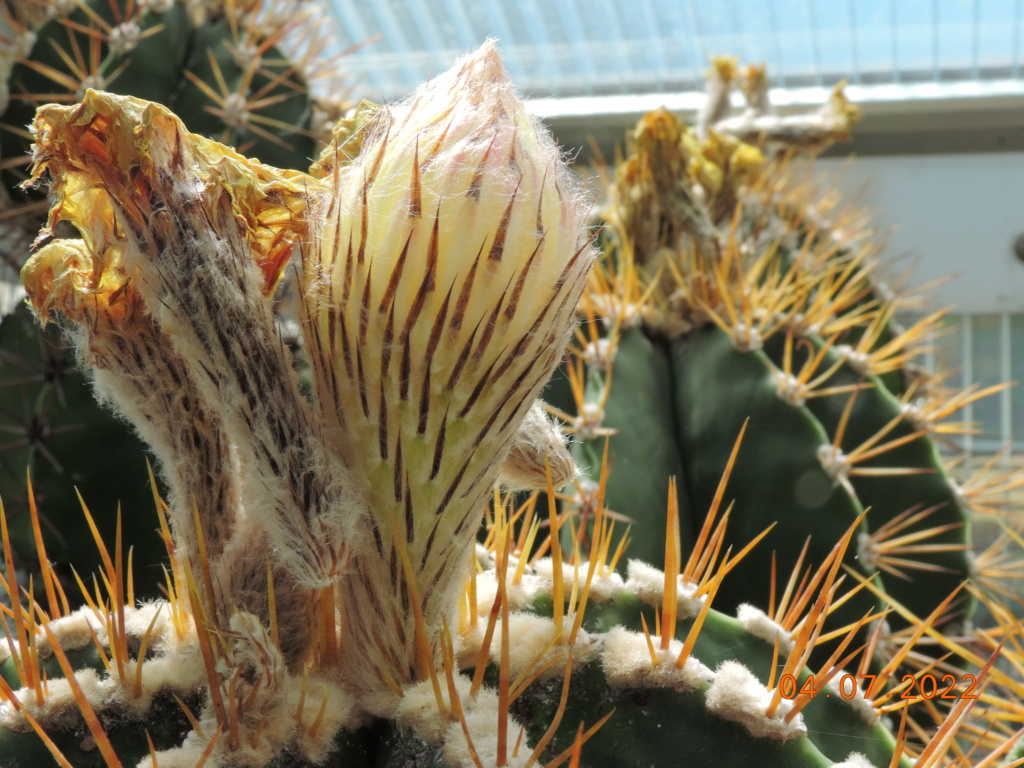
[440, 289]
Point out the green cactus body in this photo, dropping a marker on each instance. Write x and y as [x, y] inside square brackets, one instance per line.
[723, 308]
[683, 421]
[644, 444]
[778, 478]
[69, 444]
[925, 486]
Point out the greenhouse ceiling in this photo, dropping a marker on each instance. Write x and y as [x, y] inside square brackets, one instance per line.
[593, 57]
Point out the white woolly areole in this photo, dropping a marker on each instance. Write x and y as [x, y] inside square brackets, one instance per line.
[648, 584]
[599, 354]
[339, 712]
[833, 461]
[854, 760]
[867, 553]
[177, 667]
[757, 623]
[789, 388]
[860, 361]
[177, 758]
[486, 593]
[124, 37]
[71, 631]
[589, 421]
[276, 709]
[24, 42]
[418, 711]
[747, 338]
[916, 416]
[958, 491]
[533, 645]
[59, 711]
[483, 556]
[604, 586]
[858, 701]
[887, 646]
[137, 620]
[626, 660]
[482, 723]
[545, 569]
[519, 595]
[532, 634]
[736, 694]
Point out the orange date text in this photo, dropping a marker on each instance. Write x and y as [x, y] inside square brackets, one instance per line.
[911, 687]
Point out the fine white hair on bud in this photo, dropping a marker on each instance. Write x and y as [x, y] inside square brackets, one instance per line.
[448, 252]
[537, 451]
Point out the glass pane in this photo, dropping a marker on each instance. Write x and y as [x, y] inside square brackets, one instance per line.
[986, 370]
[1017, 374]
[949, 350]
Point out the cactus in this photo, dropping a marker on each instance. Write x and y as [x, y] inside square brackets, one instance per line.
[728, 297]
[327, 601]
[54, 429]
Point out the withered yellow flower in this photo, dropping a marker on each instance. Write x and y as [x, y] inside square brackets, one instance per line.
[115, 165]
[202, 233]
[104, 157]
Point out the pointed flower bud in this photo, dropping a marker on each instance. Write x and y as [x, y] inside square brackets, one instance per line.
[440, 289]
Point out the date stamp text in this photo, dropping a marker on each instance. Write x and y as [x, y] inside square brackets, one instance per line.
[911, 687]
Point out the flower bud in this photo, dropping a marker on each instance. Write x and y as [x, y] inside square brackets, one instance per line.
[439, 288]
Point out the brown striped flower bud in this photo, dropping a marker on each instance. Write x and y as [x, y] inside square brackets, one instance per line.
[439, 288]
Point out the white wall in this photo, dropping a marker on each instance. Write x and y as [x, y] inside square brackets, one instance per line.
[952, 214]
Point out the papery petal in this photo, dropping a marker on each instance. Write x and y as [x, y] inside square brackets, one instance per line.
[97, 148]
